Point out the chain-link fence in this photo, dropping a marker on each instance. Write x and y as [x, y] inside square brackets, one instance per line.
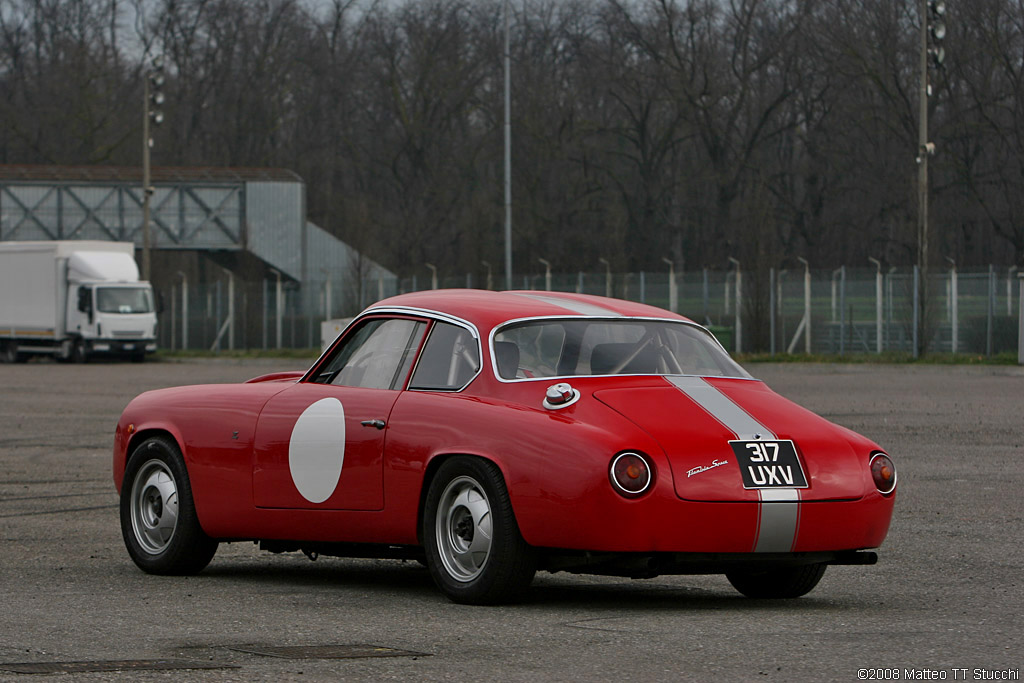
[846, 310]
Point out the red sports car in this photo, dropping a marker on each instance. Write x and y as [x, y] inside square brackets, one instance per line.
[492, 435]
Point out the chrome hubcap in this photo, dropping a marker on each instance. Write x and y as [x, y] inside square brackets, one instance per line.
[463, 529]
[154, 507]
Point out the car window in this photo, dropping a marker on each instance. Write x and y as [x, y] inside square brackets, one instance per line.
[377, 355]
[571, 347]
[450, 359]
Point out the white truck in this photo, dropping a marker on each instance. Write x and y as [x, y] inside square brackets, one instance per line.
[73, 300]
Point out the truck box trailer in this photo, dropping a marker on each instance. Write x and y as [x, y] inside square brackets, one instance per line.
[73, 300]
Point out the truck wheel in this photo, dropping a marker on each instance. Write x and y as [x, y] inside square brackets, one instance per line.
[78, 353]
[475, 552]
[158, 516]
[9, 353]
[67, 348]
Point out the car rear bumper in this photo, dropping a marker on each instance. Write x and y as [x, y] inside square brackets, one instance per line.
[661, 523]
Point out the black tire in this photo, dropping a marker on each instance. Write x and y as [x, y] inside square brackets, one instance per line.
[9, 353]
[466, 501]
[158, 516]
[775, 584]
[78, 353]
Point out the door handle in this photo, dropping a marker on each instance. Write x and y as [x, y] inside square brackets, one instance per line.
[379, 424]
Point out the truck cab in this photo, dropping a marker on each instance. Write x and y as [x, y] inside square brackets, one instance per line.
[116, 318]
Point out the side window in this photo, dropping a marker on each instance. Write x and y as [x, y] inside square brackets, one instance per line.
[449, 360]
[376, 356]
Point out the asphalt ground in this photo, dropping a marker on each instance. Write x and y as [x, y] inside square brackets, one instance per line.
[945, 602]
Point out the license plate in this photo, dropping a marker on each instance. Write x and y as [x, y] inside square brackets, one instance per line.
[129, 347]
[769, 465]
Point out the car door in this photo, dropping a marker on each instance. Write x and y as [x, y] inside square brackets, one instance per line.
[320, 443]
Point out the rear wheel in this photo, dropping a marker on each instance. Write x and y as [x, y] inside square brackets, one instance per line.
[475, 552]
[9, 353]
[158, 516]
[787, 582]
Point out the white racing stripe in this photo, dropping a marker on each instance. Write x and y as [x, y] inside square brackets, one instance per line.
[575, 306]
[779, 508]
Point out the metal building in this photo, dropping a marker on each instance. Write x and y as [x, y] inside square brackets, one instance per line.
[248, 222]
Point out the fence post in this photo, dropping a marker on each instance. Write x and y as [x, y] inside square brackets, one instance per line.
[739, 305]
[771, 308]
[279, 310]
[991, 307]
[954, 306]
[835, 274]
[231, 310]
[807, 306]
[917, 310]
[878, 303]
[707, 299]
[174, 315]
[1009, 290]
[1020, 320]
[842, 310]
[184, 311]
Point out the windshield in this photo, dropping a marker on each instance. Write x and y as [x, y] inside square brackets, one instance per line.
[124, 299]
[571, 347]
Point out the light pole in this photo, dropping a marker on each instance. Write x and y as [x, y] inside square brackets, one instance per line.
[433, 275]
[152, 98]
[547, 273]
[508, 154]
[932, 15]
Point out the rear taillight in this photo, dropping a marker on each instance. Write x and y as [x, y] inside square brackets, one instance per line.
[883, 472]
[631, 474]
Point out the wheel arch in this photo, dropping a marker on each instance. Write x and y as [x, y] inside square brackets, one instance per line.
[433, 465]
[140, 436]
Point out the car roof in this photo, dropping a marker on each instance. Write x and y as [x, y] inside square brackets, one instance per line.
[487, 309]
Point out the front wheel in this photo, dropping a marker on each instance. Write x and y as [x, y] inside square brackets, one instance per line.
[784, 583]
[79, 354]
[475, 552]
[158, 516]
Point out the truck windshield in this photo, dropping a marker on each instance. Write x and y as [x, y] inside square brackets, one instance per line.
[626, 346]
[124, 300]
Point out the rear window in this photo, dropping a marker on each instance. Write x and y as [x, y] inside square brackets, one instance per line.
[574, 347]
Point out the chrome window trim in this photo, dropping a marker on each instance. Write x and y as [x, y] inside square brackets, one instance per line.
[415, 312]
[436, 316]
[598, 318]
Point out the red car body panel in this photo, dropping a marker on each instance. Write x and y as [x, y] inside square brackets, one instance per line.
[555, 463]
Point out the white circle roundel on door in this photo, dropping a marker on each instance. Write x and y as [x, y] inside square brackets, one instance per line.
[316, 449]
